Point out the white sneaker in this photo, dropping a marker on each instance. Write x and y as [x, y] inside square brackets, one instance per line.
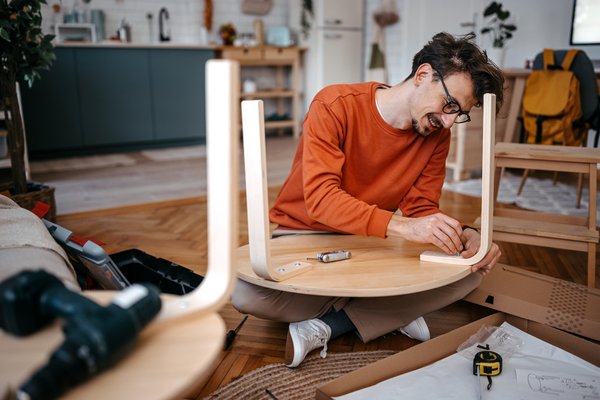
[303, 337]
[417, 330]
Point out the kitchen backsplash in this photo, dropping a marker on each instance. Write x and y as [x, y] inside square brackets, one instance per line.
[185, 17]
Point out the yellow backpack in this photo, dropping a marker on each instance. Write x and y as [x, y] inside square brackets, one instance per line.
[552, 104]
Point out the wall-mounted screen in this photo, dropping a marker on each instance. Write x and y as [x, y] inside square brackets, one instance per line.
[585, 22]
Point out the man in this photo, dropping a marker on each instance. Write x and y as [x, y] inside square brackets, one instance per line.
[371, 161]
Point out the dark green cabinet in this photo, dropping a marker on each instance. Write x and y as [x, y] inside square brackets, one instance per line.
[51, 107]
[178, 90]
[114, 92]
[98, 99]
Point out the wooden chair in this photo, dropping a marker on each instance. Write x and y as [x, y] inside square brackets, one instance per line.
[378, 267]
[178, 349]
[583, 68]
[541, 229]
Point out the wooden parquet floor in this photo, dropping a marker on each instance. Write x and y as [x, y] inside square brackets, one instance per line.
[176, 230]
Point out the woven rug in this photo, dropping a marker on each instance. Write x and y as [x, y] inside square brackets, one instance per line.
[295, 383]
[538, 194]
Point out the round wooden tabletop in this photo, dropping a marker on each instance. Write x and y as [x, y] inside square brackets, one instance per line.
[377, 268]
[166, 362]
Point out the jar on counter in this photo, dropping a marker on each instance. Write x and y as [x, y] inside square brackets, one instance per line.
[124, 32]
[249, 86]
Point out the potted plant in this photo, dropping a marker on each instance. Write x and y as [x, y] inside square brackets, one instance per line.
[227, 33]
[498, 28]
[24, 52]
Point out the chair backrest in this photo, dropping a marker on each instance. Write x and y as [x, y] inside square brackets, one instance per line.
[583, 68]
[487, 191]
[255, 168]
[222, 127]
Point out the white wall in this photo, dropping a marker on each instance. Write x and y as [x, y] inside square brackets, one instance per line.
[541, 23]
[186, 16]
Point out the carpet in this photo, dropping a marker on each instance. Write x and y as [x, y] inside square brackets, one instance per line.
[295, 383]
[538, 194]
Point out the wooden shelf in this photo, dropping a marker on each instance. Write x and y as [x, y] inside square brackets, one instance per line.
[279, 124]
[283, 62]
[263, 94]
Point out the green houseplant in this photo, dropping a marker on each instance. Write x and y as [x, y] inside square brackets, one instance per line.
[496, 24]
[24, 52]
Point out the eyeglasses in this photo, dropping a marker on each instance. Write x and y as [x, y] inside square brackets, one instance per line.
[452, 107]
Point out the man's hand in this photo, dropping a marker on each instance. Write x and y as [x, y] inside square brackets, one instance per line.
[438, 229]
[471, 240]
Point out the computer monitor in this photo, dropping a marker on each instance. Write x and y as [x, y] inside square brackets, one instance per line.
[585, 23]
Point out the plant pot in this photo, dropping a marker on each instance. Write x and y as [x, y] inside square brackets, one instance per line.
[37, 192]
[497, 55]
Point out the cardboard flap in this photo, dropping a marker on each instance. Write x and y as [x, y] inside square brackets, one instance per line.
[564, 305]
[412, 358]
[439, 347]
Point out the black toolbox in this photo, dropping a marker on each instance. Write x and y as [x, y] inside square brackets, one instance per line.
[169, 277]
[98, 270]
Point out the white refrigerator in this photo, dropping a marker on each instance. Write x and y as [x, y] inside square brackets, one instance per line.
[335, 45]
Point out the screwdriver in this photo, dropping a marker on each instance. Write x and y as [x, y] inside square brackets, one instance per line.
[230, 337]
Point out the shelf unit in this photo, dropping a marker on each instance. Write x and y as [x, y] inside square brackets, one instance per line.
[285, 62]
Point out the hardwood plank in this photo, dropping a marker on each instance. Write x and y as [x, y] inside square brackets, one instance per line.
[175, 230]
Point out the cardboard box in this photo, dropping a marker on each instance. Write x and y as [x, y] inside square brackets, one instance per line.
[564, 305]
[445, 345]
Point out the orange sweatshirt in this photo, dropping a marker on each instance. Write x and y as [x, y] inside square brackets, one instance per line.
[352, 170]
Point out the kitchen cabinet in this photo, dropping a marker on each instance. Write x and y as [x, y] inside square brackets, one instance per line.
[178, 88]
[51, 107]
[285, 65]
[113, 98]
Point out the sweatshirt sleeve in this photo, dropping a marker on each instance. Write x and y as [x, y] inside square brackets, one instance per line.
[423, 198]
[323, 161]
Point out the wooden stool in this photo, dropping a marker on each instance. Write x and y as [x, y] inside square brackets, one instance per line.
[177, 351]
[378, 267]
[542, 229]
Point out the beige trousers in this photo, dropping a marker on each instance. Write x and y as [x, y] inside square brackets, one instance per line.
[372, 316]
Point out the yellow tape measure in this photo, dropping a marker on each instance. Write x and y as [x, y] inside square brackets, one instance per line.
[489, 363]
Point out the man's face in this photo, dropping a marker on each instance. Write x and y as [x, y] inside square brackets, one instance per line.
[427, 109]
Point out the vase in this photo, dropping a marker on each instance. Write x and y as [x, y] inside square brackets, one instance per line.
[497, 54]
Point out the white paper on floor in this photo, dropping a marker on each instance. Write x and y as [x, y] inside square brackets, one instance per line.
[452, 377]
[544, 385]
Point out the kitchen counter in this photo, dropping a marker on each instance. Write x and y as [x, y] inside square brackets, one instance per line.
[137, 45]
[111, 96]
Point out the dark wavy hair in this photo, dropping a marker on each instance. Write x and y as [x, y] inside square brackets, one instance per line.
[449, 54]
